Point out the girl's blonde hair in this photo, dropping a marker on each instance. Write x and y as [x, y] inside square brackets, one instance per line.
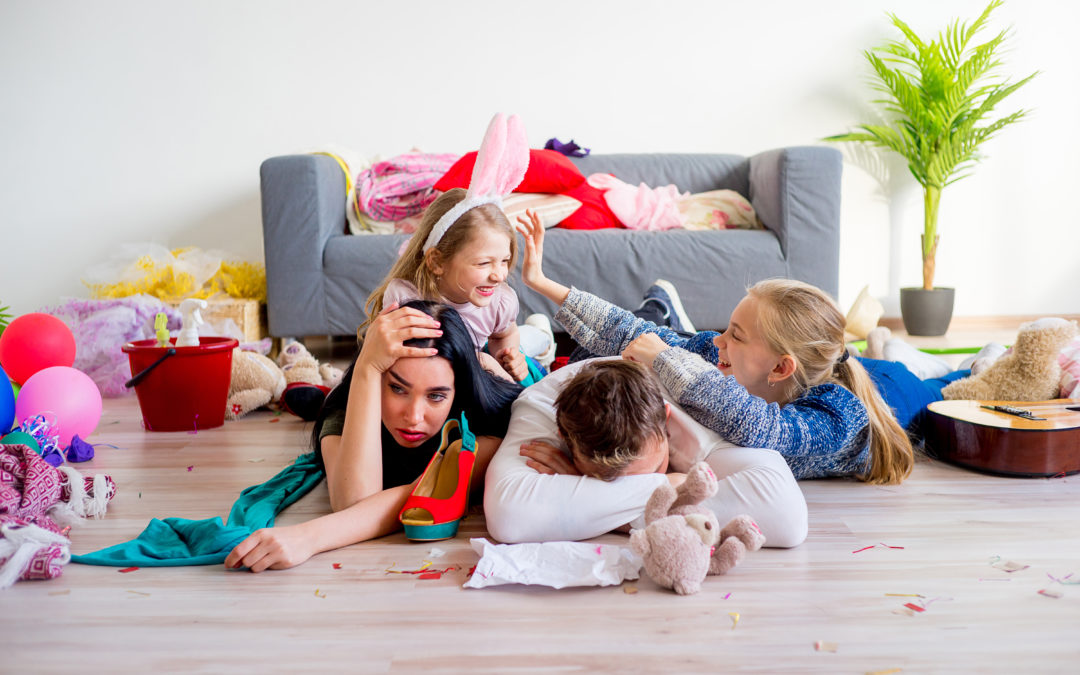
[415, 264]
[802, 320]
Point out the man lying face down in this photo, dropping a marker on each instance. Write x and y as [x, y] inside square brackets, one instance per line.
[589, 443]
[613, 420]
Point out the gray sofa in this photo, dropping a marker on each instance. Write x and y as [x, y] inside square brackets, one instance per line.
[319, 277]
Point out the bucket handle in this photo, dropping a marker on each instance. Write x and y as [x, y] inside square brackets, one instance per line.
[146, 371]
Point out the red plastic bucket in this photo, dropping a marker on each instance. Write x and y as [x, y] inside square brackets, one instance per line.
[186, 391]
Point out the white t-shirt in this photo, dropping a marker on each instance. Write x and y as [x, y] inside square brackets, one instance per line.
[521, 504]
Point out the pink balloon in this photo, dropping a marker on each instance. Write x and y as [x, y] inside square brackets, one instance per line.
[35, 341]
[65, 396]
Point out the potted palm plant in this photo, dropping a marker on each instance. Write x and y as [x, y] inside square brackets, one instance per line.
[939, 96]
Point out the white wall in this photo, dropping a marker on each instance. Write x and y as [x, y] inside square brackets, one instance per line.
[127, 121]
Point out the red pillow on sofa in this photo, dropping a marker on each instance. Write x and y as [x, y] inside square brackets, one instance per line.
[548, 171]
[594, 213]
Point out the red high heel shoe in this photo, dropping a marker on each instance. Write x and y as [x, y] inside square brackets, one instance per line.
[439, 500]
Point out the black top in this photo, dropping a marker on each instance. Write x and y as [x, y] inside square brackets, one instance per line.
[401, 465]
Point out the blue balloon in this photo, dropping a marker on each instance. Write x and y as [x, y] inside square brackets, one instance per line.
[7, 404]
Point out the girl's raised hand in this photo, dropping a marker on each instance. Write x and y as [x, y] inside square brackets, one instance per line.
[386, 335]
[645, 348]
[532, 272]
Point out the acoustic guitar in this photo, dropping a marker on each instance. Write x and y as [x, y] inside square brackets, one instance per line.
[1007, 438]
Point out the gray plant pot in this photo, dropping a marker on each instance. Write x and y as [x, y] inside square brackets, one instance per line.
[926, 312]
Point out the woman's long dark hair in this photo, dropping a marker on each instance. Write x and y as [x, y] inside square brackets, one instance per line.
[484, 398]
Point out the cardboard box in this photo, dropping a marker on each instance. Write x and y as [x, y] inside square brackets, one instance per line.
[248, 315]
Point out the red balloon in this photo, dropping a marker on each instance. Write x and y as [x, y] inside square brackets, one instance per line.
[33, 342]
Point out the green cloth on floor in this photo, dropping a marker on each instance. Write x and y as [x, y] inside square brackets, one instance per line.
[178, 541]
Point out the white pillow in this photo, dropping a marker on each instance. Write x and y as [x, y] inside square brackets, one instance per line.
[551, 208]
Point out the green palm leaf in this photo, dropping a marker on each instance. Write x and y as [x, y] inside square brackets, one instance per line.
[939, 95]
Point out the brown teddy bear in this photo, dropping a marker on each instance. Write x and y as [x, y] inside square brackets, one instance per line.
[682, 541]
[1030, 371]
[255, 381]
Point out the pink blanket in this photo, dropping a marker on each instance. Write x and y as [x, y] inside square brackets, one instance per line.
[641, 207]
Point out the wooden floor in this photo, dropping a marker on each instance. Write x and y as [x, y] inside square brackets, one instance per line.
[938, 542]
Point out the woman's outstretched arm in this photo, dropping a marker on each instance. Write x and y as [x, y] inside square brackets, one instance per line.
[278, 548]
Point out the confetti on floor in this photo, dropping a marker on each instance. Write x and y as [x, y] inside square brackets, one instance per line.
[1010, 566]
[146, 595]
[436, 553]
[913, 607]
[879, 545]
[905, 595]
[337, 566]
[727, 596]
[629, 590]
[890, 671]
[318, 594]
[257, 460]
[127, 569]
[276, 419]
[823, 646]
[191, 467]
[430, 575]
[734, 619]
[1051, 593]
[66, 591]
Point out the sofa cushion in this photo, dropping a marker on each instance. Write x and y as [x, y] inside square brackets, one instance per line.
[551, 209]
[718, 210]
[594, 213]
[548, 172]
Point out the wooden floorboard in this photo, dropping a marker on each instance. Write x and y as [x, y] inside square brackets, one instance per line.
[947, 525]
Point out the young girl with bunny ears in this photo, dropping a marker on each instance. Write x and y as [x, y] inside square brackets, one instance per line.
[462, 253]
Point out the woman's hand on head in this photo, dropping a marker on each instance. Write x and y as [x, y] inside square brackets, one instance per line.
[645, 348]
[384, 342]
[547, 459]
[273, 548]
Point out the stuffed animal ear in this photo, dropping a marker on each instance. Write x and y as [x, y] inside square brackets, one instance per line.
[502, 159]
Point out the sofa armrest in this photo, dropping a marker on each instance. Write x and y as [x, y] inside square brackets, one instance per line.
[796, 193]
[303, 205]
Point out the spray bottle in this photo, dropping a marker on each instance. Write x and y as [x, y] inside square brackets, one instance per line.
[191, 320]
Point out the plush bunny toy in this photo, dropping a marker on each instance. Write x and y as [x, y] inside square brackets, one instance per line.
[682, 541]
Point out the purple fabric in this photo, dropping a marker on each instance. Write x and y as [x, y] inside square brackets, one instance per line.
[570, 149]
[101, 327]
[79, 450]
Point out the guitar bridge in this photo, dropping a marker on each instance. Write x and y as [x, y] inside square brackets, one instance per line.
[1013, 410]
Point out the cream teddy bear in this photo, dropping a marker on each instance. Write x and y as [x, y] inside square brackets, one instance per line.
[682, 541]
[255, 381]
[1030, 371]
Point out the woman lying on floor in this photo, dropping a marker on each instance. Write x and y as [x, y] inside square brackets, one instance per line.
[380, 427]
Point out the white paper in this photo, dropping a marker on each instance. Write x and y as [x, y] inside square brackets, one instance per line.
[557, 564]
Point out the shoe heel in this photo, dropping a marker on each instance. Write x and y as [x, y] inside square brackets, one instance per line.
[438, 502]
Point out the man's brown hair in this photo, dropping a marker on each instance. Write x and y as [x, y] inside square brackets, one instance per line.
[608, 411]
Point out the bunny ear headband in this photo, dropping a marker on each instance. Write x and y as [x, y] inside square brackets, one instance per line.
[500, 166]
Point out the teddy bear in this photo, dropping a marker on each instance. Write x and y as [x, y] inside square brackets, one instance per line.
[682, 542]
[307, 381]
[255, 381]
[1030, 371]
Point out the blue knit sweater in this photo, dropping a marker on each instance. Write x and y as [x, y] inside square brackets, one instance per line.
[824, 432]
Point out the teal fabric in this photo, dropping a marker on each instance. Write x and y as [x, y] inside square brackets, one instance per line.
[178, 541]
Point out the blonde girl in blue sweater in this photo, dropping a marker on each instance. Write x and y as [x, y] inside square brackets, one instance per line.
[779, 377]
